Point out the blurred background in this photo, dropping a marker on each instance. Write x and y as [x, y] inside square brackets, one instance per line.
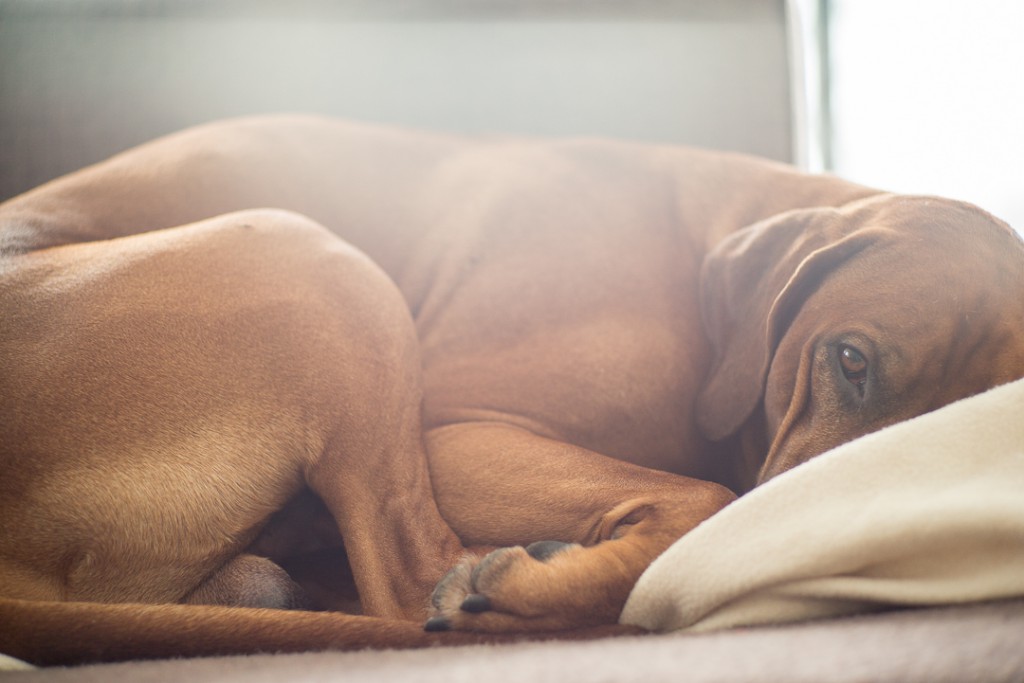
[927, 96]
[909, 95]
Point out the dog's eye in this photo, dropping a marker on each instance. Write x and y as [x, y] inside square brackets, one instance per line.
[854, 366]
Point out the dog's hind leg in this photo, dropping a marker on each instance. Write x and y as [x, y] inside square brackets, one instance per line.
[165, 393]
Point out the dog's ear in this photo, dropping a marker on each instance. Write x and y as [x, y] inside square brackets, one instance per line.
[753, 284]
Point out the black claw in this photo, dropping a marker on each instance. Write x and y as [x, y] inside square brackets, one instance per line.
[437, 624]
[543, 550]
[476, 603]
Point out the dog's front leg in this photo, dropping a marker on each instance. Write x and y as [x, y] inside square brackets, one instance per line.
[579, 528]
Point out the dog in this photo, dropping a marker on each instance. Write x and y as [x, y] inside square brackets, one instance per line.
[485, 380]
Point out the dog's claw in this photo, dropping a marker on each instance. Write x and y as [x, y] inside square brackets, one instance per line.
[517, 589]
[475, 603]
[542, 550]
[493, 593]
[437, 624]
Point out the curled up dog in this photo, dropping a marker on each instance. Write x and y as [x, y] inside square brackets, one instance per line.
[408, 379]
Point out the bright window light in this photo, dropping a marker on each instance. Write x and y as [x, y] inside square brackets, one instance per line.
[927, 96]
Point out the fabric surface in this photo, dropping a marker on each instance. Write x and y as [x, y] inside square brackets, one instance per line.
[926, 512]
[12, 664]
[977, 643]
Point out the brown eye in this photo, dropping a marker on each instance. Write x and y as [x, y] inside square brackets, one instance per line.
[853, 365]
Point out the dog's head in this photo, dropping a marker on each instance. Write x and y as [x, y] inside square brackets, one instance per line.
[830, 323]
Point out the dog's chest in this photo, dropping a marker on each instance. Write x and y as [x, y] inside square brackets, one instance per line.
[621, 385]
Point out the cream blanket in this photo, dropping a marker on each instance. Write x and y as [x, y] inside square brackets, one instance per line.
[926, 512]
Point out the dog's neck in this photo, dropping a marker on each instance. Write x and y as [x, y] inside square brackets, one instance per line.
[757, 189]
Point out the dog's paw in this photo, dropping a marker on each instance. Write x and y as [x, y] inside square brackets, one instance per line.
[545, 586]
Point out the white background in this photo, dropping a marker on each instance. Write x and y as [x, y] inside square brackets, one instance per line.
[928, 97]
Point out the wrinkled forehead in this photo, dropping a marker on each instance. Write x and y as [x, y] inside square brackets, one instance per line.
[954, 231]
[936, 242]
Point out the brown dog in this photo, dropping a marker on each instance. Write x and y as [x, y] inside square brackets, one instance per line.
[454, 344]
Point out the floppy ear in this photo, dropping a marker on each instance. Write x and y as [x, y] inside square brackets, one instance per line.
[753, 284]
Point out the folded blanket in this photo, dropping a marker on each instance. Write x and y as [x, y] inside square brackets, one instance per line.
[926, 512]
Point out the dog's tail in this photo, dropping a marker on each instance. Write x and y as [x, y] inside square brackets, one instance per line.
[63, 633]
